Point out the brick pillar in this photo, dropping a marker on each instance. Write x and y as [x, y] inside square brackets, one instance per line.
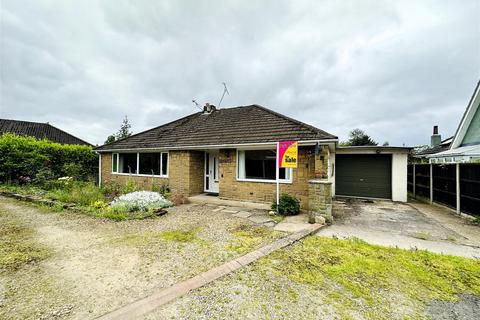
[319, 201]
[321, 163]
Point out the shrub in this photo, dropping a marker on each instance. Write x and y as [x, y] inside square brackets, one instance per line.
[287, 205]
[43, 159]
[139, 201]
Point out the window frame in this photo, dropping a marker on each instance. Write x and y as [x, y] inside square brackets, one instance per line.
[288, 171]
[161, 153]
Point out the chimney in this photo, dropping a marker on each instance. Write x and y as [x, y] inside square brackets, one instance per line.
[208, 108]
[436, 138]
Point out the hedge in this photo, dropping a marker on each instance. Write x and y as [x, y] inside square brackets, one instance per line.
[27, 158]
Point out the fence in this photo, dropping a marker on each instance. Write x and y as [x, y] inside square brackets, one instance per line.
[454, 185]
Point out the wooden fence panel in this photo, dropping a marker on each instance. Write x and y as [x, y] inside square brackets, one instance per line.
[444, 185]
[422, 180]
[470, 188]
[410, 178]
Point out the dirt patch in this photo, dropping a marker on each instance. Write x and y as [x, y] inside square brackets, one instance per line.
[99, 265]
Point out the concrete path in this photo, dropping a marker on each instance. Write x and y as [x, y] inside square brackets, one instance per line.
[163, 296]
[404, 226]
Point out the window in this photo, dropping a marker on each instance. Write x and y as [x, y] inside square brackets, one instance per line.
[148, 163]
[127, 163]
[114, 162]
[260, 165]
[164, 162]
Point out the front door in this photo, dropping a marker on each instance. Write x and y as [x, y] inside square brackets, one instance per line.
[211, 171]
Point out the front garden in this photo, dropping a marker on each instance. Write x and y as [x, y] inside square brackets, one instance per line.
[111, 201]
[63, 177]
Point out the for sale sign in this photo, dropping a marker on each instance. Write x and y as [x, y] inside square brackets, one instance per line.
[288, 154]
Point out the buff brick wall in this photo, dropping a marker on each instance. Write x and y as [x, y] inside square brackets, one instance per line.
[230, 188]
[185, 173]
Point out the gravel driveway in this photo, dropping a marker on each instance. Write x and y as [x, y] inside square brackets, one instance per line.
[98, 265]
[405, 226]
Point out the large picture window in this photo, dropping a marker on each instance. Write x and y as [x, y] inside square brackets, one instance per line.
[259, 165]
[147, 163]
[127, 163]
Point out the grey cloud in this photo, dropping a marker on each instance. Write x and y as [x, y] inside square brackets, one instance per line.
[391, 68]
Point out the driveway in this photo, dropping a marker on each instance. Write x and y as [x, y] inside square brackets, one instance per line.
[407, 226]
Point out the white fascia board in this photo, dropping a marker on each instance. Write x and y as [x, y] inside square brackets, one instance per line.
[223, 146]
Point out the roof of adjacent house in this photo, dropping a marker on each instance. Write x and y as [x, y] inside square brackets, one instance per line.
[467, 117]
[39, 131]
[223, 127]
[444, 145]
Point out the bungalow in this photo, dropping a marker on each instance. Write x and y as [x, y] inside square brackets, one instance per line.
[231, 153]
[465, 146]
[40, 131]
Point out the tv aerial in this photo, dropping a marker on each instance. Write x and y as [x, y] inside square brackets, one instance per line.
[225, 90]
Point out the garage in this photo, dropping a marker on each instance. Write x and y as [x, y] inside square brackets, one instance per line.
[364, 175]
[371, 172]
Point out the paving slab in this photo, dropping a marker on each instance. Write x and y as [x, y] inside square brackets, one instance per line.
[243, 214]
[229, 211]
[260, 219]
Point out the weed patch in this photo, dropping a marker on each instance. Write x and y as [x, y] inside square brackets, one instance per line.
[247, 237]
[370, 275]
[17, 246]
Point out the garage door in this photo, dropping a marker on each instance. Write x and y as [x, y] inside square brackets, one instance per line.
[363, 175]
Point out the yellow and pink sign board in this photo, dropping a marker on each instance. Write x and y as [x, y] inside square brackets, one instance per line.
[288, 154]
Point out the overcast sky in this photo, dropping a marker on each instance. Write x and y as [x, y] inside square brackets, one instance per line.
[391, 68]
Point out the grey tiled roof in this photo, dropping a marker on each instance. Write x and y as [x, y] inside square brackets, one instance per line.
[39, 131]
[247, 124]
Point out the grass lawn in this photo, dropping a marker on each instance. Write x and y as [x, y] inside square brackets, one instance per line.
[324, 278]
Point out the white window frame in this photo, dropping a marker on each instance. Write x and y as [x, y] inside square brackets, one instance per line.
[288, 172]
[161, 153]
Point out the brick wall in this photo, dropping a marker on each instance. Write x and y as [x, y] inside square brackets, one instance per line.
[230, 188]
[185, 173]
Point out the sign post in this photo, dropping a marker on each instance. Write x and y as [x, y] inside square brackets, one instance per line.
[287, 155]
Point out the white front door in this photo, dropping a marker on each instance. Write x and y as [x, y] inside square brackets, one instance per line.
[211, 171]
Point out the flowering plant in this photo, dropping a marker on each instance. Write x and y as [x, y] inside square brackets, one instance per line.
[140, 201]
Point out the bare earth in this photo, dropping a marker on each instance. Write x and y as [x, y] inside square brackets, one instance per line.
[100, 265]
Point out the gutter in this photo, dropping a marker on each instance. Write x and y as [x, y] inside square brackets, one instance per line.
[222, 146]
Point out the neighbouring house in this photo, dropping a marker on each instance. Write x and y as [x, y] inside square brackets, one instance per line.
[231, 152]
[39, 131]
[465, 146]
[436, 145]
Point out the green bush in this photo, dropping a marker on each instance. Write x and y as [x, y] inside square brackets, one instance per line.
[44, 160]
[287, 205]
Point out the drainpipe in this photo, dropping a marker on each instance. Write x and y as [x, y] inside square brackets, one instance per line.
[99, 169]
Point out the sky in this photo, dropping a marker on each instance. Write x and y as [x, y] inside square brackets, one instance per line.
[391, 68]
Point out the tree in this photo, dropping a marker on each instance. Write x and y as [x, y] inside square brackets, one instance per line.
[359, 138]
[386, 144]
[123, 132]
[110, 139]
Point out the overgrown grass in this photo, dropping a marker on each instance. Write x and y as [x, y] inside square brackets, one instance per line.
[187, 235]
[363, 278]
[17, 245]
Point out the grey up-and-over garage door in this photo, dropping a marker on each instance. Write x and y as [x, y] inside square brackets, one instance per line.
[363, 175]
